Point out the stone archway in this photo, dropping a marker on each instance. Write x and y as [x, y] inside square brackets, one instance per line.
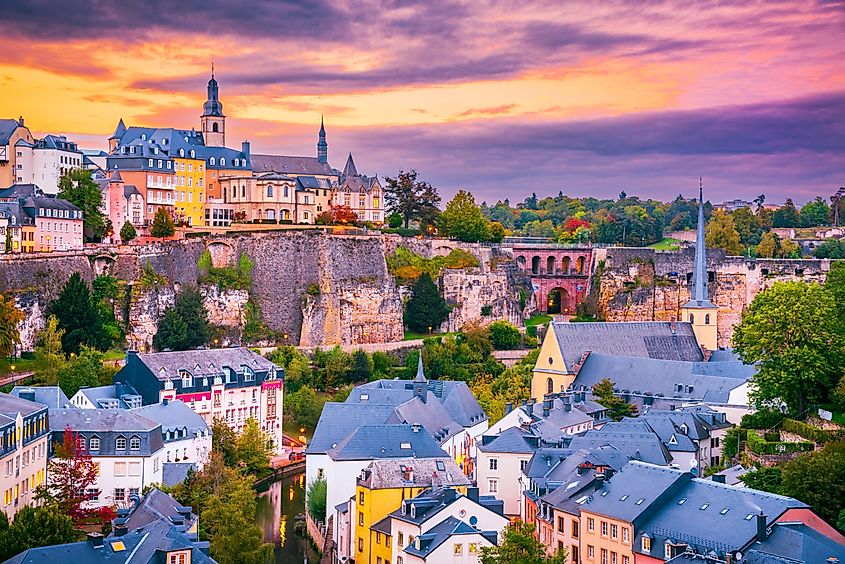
[535, 265]
[559, 302]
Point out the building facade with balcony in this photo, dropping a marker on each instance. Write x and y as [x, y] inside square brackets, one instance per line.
[24, 436]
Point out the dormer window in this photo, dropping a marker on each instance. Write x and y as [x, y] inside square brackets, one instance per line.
[94, 444]
[80, 443]
[646, 543]
[120, 443]
[181, 152]
[222, 161]
[193, 153]
[211, 161]
[135, 443]
[187, 380]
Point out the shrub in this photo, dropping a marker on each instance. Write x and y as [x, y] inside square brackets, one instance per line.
[406, 266]
[504, 336]
[811, 433]
[760, 445]
[763, 419]
[486, 310]
[317, 500]
[313, 290]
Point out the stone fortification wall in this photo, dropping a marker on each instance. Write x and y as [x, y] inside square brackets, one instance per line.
[312, 288]
[640, 284]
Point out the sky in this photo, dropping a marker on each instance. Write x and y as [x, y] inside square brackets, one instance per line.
[500, 98]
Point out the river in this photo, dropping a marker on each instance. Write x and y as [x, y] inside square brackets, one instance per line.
[277, 508]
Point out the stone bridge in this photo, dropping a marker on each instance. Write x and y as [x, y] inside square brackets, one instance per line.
[559, 275]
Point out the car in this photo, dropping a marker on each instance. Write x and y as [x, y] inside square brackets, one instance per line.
[296, 456]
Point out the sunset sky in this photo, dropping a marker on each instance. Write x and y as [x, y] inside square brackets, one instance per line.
[501, 98]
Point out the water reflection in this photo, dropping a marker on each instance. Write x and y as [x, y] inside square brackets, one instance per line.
[277, 508]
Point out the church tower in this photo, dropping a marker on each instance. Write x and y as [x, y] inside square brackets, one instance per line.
[699, 310]
[212, 118]
[322, 146]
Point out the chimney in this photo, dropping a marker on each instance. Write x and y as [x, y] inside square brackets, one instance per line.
[245, 149]
[508, 407]
[599, 481]
[729, 558]
[450, 495]
[545, 409]
[165, 401]
[761, 527]
[718, 478]
[120, 530]
[472, 493]
[96, 539]
[524, 401]
[20, 121]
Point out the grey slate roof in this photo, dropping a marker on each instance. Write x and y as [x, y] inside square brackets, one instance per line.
[643, 446]
[733, 474]
[513, 440]
[107, 425]
[441, 532]
[709, 381]
[456, 397]
[386, 441]
[156, 505]
[794, 542]
[7, 128]
[290, 165]
[113, 396]
[427, 504]
[672, 437]
[427, 472]
[642, 339]
[708, 515]
[338, 419]
[51, 396]
[173, 473]
[11, 405]
[175, 416]
[431, 415]
[349, 169]
[210, 361]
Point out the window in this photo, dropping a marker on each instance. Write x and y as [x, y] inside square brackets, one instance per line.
[120, 494]
[177, 558]
[269, 190]
[80, 443]
[646, 544]
[134, 468]
[94, 443]
[575, 530]
[561, 523]
[707, 319]
[120, 443]
[626, 560]
[494, 486]
[120, 469]
[591, 551]
[667, 551]
[459, 549]
[135, 443]
[472, 548]
[613, 558]
[625, 535]
[604, 528]
[523, 464]
[550, 385]
[360, 518]
[604, 556]
[591, 524]
[614, 532]
[494, 464]
[378, 537]
[360, 498]
[401, 538]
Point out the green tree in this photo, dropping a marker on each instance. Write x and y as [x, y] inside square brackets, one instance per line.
[163, 225]
[815, 213]
[81, 371]
[333, 367]
[298, 373]
[768, 247]
[223, 441]
[185, 325]
[412, 199]
[80, 317]
[127, 232]
[78, 187]
[394, 221]
[722, 234]
[520, 545]
[831, 249]
[10, 317]
[462, 219]
[748, 226]
[496, 231]
[786, 215]
[617, 408]
[362, 367]
[767, 479]
[381, 364]
[229, 520]
[793, 334]
[253, 449]
[172, 332]
[818, 479]
[48, 352]
[835, 286]
[504, 336]
[426, 309]
[316, 496]
[105, 291]
[33, 527]
[303, 407]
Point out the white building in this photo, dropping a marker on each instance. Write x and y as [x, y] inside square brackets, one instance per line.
[127, 448]
[45, 161]
[187, 437]
[441, 525]
[501, 461]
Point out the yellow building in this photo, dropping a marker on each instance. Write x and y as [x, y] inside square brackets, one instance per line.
[381, 488]
[24, 435]
[189, 204]
[551, 373]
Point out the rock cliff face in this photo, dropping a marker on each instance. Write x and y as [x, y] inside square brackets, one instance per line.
[312, 289]
[644, 284]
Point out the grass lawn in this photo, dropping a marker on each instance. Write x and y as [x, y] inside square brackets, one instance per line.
[666, 244]
[21, 365]
[114, 355]
[539, 319]
[410, 335]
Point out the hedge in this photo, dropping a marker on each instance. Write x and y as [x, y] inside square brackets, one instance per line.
[762, 420]
[759, 445]
[815, 434]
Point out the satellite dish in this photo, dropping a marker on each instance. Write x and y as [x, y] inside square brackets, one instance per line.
[738, 556]
[693, 463]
